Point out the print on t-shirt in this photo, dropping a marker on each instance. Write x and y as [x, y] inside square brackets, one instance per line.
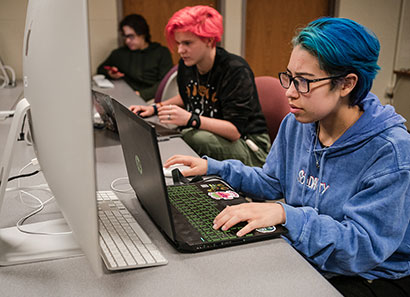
[202, 99]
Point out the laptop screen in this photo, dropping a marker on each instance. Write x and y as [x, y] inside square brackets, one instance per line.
[144, 167]
[103, 105]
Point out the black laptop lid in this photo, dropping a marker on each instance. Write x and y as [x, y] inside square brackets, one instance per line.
[141, 154]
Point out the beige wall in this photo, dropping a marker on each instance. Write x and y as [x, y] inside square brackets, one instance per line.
[103, 24]
[401, 99]
[382, 18]
[233, 12]
[103, 30]
[12, 21]
[390, 22]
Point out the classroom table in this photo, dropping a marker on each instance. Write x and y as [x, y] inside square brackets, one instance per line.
[268, 268]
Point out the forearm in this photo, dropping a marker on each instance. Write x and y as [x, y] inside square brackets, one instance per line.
[253, 181]
[220, 127]
[176, 100]
[149, 93]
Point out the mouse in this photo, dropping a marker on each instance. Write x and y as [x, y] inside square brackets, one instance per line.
[168, 171]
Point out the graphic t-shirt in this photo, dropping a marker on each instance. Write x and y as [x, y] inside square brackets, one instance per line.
[226, 92]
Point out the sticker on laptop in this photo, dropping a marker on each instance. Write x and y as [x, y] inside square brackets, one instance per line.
[226, 195]
[219, 187]
[266, 229]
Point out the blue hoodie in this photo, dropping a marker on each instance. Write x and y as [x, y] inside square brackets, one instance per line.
[351, 215]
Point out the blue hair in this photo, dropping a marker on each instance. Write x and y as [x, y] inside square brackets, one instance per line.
[343, 46]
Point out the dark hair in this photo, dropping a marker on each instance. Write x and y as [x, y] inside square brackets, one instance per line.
[342, 47]
[138, 24]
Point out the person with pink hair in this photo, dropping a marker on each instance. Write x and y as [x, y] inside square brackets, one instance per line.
[217, 107]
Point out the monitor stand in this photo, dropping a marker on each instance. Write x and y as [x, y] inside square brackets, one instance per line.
[17, 247]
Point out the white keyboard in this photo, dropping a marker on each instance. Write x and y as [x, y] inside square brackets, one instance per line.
[124, 244]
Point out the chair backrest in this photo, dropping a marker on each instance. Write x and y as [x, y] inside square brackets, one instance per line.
[168, 86]
[274, 103]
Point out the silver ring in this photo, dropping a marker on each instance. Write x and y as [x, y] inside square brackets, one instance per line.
[169, 117]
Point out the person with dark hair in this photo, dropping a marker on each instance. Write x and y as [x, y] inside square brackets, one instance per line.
[140, 62]
[217, 107]
[341, 161]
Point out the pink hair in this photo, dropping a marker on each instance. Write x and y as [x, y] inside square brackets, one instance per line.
[203, 21]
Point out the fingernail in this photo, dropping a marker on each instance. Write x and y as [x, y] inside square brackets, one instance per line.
[214, 226]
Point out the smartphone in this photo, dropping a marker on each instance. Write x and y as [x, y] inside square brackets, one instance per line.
[110, 68]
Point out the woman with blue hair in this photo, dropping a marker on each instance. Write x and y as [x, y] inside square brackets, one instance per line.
[341, 161]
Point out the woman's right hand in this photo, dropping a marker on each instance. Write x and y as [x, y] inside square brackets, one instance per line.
[198, 166]
[114, 73]
[142, 110]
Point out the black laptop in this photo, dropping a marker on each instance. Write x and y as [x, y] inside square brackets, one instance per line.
[103, 105]
[184, 212]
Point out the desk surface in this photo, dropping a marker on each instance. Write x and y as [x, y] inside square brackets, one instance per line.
[269, 268]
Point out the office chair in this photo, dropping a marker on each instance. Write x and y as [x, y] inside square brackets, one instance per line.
[274, 102]
[168, 86]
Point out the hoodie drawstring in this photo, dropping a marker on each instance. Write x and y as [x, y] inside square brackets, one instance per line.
[321, 165]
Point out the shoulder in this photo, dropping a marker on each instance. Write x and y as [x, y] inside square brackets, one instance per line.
[231, 61]
[384, 154]
[120, 51]
[384, 131]
[230, 67]
[395, 142]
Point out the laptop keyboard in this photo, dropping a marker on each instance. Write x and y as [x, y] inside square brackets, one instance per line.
[200, 212]
[124, 244]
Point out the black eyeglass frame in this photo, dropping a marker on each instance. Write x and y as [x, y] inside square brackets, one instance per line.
[129, 36]
[309, 81]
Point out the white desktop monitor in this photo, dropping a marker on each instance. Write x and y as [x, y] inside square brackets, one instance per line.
[57, 85]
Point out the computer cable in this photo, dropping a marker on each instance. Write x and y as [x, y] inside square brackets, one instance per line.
[23, 175]
[21, 136]
[23, 190]
[4, 76]
[21, 221]
[128, 191]
[34, 162]
[39, 205]
[27, 137]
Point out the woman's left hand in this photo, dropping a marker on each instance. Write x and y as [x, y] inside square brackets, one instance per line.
[173, 114]
[257, 214]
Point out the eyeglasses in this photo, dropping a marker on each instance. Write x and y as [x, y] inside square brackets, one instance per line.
[301, 84]
[129, 36]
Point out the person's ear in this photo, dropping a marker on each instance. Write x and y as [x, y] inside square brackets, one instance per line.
[348, 84]
[210, 41]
